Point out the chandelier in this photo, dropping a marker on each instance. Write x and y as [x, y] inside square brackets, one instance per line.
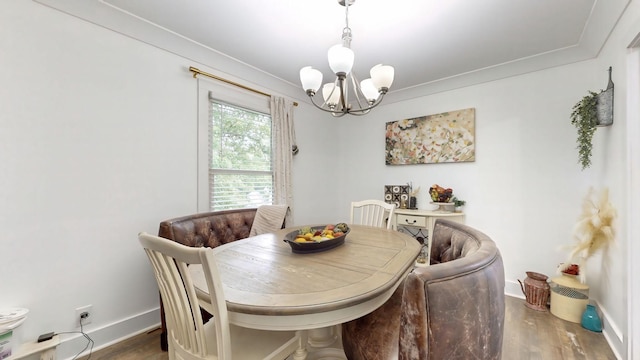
[366, 94]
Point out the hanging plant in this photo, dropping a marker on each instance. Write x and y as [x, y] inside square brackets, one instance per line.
[595, 109]
[585, 118]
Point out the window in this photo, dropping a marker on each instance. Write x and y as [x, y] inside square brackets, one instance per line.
[234, 162]
[240, 150]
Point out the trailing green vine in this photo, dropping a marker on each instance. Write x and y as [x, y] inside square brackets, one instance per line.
[585, 118]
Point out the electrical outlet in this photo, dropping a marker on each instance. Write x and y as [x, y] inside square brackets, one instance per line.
[85, 313]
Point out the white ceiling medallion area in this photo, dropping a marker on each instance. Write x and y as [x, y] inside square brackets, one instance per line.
[433, 45]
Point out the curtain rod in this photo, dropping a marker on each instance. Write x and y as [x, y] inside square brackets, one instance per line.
[197, 71]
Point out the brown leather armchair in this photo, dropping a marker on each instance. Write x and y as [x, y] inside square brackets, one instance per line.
[452, 309]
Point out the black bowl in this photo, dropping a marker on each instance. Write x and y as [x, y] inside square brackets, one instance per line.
[313, 247]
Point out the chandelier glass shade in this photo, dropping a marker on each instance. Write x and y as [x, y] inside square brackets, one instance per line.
[346, 95]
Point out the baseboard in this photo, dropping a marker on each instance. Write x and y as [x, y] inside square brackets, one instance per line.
[513, 289]
[612, 333]
[109, 334]
[610, 329]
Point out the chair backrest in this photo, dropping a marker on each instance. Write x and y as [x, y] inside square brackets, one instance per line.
[462, 292]
[466, 278]
[209, 229]
[372, 213]
[185, 326]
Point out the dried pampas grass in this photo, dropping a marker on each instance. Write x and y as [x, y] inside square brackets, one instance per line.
[594, 230]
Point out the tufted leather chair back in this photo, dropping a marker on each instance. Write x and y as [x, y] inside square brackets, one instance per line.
[452, 243]
[453, 309]
[209, 229]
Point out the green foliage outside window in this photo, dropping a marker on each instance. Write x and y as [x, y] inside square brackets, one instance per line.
[240, 148]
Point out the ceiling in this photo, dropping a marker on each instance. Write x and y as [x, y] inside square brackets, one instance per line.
[434, 45]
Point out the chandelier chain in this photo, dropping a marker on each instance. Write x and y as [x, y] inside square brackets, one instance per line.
[346, 32]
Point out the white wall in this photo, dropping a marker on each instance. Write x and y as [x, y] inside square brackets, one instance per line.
[633, 209]
[612, 285]
[525, 188]
[98, 143]
[97, 139]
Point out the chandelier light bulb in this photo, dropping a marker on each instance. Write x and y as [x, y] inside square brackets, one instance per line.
[330, 94]
[340, 59]
[310, 78]
[369, 90]
[382, 76]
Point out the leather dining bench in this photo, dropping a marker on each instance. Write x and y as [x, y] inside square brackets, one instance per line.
[452, 309]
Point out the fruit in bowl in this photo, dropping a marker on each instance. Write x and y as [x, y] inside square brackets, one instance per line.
[318, 234]
[310, 239]
[440, 194]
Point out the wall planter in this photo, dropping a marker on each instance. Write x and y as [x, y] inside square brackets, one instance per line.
[605, 104]
[593, 110]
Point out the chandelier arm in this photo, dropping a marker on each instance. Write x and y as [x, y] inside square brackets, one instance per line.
[367, 109]
[377, 102]
[358, 113]
[357, 91]
[333, 112]
[342, 112]
[340, 105]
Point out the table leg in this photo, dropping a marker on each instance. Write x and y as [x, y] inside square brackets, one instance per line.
[323, 337]
[326, 344]
[301, 352]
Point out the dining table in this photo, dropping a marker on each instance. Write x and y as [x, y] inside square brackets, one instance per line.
[267, 286]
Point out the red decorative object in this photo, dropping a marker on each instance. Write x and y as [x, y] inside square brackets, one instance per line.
[572, 269]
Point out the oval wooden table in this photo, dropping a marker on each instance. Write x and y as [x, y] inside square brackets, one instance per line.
[269, 287]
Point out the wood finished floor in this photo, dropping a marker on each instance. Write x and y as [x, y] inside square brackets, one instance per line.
[528, 335]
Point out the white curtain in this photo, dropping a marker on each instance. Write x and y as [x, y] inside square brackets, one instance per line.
[284, 143]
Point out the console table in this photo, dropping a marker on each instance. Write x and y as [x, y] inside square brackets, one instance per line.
[419, 223]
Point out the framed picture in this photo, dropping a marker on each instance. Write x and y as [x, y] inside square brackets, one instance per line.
[442, 138]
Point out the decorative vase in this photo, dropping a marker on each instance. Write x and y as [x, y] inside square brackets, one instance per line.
[591, 319]
[536, 291]
[569, 297]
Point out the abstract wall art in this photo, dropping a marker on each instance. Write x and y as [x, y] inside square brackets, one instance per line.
[441, 138]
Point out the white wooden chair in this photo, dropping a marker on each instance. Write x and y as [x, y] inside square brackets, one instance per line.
[188, 337]
[373, 213]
